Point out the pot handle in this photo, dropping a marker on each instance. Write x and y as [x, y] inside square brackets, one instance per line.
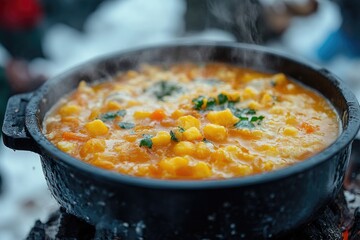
[14, 131]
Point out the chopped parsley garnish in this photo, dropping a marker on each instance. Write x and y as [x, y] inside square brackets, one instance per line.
[198, 102]
[244, 118]
[220, 103]
[112, 115]
[210, 104]
[222, 98]
[246, 123]
[240, 112]
[273, 83]
[165, 88]
[249, 111]
[181, 129]
[255, 118]
[173, 137]
[126, 125]
[146, 141]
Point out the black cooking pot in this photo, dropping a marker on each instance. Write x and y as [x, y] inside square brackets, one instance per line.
[253, 207]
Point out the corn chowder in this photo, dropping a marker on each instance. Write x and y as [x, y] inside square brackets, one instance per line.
[192, 121]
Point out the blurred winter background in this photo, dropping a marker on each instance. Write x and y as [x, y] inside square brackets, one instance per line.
[40, 39]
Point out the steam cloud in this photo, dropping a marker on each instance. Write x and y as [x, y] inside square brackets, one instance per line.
[242, 18]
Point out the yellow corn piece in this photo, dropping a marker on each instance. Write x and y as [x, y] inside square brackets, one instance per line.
[184, 148]
[223, 118]
[162, 138]
[96, 128]
[215, 132]
[192, 134]
[188, 121]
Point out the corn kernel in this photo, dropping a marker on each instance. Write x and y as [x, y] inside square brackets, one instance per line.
[97, 127]
[220, 157]
[202, 151]
[290, 131]
[232, 96]
[268, 165]
[93, 146]
[201, 170]
[270, 150]
[247, 133]
[250, 93]
[172, 164]
[223, 118]
[188, 121]
[141, 114]
[215, 132]
[242, 170]
[162, 138]
[112, 105]
[277, 110]
[94, 114]
[254, 105]
[236, 153]
[103, 164]
[84, 88]
[184, 148]
[69, 110]
[279, 79]
[176, 114]
[266, 99]
[192, 134]
[291, 120]
[132, 103]
[66, 146]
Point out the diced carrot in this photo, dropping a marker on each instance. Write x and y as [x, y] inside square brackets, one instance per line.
[74, 136]
[309, 128]
[158, 115]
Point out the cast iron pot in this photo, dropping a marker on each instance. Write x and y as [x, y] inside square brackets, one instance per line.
[259, 206]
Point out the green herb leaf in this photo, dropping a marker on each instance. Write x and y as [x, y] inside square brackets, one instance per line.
[126, 125]
[112, 115]
[240, 112]
[146, 141]
[273, 83]
[249, 111]
[181, 129]
[210, 104]
[244, 124]
[243, 118]
[255, 118]
[165, 88]
[173, 137]
[198, 102]
[222, 98]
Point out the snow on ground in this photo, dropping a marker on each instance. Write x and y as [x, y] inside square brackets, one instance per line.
[25, 197]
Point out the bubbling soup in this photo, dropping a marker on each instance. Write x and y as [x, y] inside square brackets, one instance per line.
[192, 121]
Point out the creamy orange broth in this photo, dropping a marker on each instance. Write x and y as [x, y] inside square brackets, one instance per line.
[192, 122]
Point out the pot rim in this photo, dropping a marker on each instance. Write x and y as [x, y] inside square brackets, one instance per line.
[344, 139]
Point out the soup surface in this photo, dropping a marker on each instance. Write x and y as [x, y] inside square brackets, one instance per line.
[192, 121]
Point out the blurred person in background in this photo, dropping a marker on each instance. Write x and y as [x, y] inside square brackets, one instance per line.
[250, 21]
[345, 40]
[23, 24]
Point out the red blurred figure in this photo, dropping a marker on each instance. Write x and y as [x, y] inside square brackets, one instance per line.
[20, 14]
